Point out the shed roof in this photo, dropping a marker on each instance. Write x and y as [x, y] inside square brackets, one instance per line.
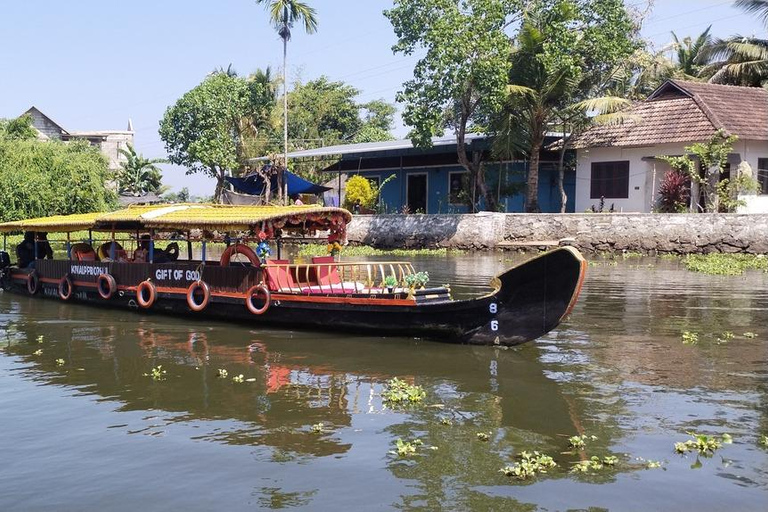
[684, 111]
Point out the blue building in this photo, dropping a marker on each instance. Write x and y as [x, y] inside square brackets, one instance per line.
[432, 180]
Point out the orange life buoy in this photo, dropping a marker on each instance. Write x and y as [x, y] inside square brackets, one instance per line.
[106, 285]
[192, 302]
[239, 249]
[146, 293]
[65, 287]
[33, 282]
[255, 291]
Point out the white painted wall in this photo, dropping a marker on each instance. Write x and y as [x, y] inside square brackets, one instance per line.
[643, 189]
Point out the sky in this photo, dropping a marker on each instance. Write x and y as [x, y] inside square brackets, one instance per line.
[93, 64]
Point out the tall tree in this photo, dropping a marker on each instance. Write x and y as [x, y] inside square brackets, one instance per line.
[692, 55]
[202, 129]
[283, 14]
[565, 51]
[138, 175]
[741, 60]
[462, 77]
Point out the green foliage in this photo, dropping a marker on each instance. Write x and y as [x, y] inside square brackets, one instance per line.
[692, 54]
[157, 373]
[317, 428]
[138, 175]
[359, 189]
[238, 379]
[725, 264]
[763, 441]
[594, 463]
[407, 448]
[60, 362]
[529, 465]
[703, 444]
[364, 250]
[17, 129]
[390, 281]
[483, 436]
[221, 373]
[203, 130]
[417, 279]
[399, 392]
[462, 77]
[41, 178]
[689, 338]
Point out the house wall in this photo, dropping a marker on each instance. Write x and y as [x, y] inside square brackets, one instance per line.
[394, 193]
[114, 142]
[643, 182]
[44, 125]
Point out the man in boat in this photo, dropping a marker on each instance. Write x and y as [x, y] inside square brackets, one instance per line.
[25, 251]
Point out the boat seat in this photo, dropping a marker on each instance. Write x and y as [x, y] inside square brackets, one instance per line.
[326, 274]
[280, 279]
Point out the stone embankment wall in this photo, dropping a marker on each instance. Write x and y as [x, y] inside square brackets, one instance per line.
[641, 232]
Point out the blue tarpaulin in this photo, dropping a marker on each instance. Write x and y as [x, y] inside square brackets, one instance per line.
[254, 185]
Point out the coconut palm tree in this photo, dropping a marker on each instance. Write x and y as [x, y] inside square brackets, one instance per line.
[138, 175]
[741, 60]
[692, 55]
[283, 14]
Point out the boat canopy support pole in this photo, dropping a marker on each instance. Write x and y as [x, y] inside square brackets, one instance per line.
[189, 246]
[279, 248]
[5, 241]
[112, 245]
[152, 246]
[90, 237]
[203, 256]
[69, 247]
[34, 238]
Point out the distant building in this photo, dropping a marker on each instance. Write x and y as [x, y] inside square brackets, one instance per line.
[620, 162]
[108, 141]
[431, 180]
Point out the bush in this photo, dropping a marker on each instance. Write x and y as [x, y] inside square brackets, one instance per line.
[674, 192]
[359, 188]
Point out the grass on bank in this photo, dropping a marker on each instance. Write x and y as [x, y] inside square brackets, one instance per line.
[363, 250]
[725, 264]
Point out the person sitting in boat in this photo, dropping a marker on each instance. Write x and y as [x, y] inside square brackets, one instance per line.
[105, 252]
[141, 254]
[25, 251]
[297, 200]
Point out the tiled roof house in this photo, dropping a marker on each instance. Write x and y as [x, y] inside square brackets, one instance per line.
[618, 162]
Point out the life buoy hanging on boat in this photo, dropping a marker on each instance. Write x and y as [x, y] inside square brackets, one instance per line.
[253, 293]
[65, 287]
[33, 282]
[146, 294]
[106, 286]
[192, 296]
[239, 249]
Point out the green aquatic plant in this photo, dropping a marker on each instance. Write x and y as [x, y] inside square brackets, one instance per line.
[446, 421]
[594, 463]
[406, 448]
[725, 264]
[40, 339]
[725, 337]
[763, 441]
[222, 373]
[750, 335]
[399, 392]
[157, 373]
[317, 428]
[60, 362]
[529, 465]
[610, 460]
[703, 444]
[239, 379]
[580, 442]
[38, 352]
[364, 250]
[483, 436]
[652, 464]
[689, 337]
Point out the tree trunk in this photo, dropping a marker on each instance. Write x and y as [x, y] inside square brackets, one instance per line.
[476, 171]
[561, 171]
[712, 204]
[280, 178]
[219, 185]
[532, 192]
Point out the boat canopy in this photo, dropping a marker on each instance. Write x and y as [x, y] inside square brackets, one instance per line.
[186, 217]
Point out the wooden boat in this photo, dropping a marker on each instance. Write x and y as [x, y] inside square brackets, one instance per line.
[376, 297]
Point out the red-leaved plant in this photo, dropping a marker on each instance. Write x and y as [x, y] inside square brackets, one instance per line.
[674, 192]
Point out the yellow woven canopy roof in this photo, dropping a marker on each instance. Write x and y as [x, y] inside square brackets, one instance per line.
[57, 223]
[178, 217]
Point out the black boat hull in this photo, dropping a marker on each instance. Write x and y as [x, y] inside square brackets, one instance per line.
[528, 301]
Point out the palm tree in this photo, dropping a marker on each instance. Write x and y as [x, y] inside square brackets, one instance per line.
[692, 55]
[534, 97]
[741, 60]
[138, 175]
[283, 14]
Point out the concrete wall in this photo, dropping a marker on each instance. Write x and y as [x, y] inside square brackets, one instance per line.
[674, 233]
[643, 190]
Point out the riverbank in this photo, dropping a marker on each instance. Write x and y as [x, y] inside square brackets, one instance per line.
[590, 232]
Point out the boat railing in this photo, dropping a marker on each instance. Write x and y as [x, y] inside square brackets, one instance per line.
[369, 277]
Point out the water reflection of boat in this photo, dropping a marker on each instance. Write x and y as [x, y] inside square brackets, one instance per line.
[371, 297]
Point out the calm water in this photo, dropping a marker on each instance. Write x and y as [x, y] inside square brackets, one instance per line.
[96, 433]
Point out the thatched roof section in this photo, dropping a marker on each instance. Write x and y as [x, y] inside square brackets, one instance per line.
[55, 224]
[182, 217]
